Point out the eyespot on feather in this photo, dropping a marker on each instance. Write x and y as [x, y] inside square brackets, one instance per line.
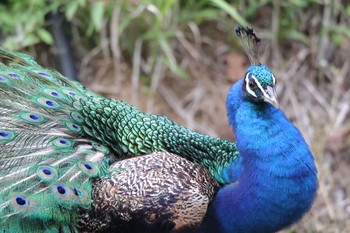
[69, 91]
[62, 143]
[83, 197]
[3, 79]
[20, 203]
[53, 93]
[32, 118]
[89, 168]
[64, 194]
[73, 127]
[47, 103]
[43, 74]
[7, 136]
[47, 173]
[77, 117]
[14, 75]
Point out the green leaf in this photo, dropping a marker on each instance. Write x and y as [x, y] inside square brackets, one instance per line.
[81, 2]
[348, 10]
[337, 39]
[71, 8]
[44, 35]
[165, 46]
[166, 6]
[97, 11]
[223, 5]
[199, 16]
[30, 40]
[175, 69]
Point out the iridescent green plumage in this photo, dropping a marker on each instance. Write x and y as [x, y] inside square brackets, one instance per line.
[56, 137]
[131, 132]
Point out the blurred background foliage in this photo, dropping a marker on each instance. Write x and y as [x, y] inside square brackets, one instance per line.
[179, 58]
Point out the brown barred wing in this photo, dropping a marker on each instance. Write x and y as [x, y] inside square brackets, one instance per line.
[159, 192]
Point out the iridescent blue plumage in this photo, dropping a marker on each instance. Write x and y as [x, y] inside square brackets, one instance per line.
[278, 181]
[262, 73]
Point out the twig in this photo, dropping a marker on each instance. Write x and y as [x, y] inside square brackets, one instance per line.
[136, 65]
[114, 28]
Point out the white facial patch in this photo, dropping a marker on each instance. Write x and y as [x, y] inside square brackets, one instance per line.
[273, 80]
[247, 85]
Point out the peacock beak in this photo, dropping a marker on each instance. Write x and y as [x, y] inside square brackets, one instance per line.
[270, 96]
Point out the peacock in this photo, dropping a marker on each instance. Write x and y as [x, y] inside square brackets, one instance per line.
[65, 162]
[61, 144]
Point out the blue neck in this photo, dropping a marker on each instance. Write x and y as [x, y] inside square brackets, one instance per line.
[279, 178]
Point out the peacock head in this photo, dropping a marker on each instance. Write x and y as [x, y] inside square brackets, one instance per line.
[259, 85]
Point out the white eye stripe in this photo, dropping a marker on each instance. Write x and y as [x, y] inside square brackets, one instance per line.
[258, 84]
[273, 80]
[247, 85]
[260, 87]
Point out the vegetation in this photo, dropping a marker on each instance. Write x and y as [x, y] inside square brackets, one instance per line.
[180, 57]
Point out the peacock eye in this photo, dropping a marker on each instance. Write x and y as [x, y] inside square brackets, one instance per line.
[252, 84]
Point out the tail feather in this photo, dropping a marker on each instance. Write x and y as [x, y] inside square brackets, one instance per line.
[46, 159]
